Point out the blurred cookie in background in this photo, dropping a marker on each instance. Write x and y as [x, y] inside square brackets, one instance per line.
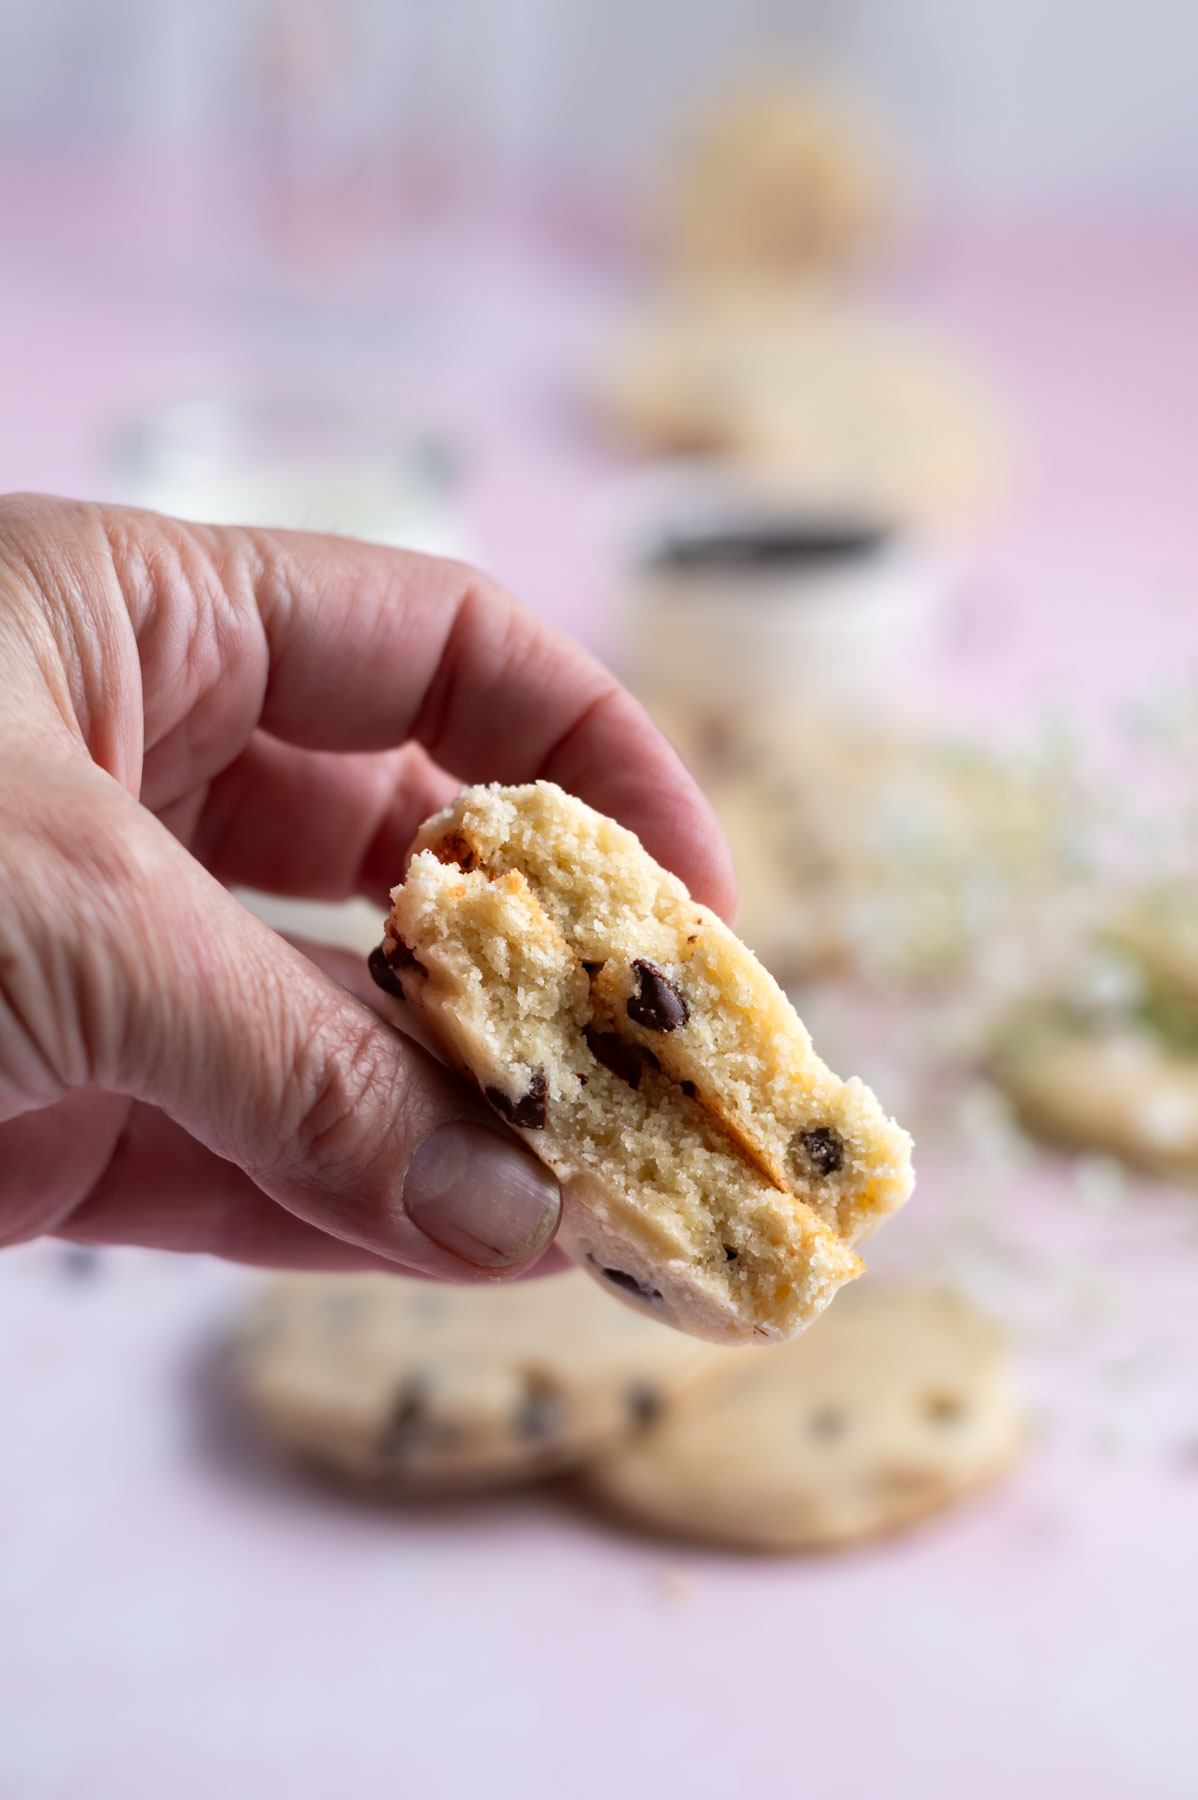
[423, 1387]
[778, 183]
[1111, 1063]
[896, 1403]
[825, 404]
[1116, 1090]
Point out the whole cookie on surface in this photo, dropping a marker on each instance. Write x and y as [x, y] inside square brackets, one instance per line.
[418, 1386]
[714, 1170]
[780, 183]
[893, 1405]
[1120, 1090]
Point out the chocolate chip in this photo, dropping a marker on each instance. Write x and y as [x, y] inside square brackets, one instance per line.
[542, 1412]
[657, 1004]
[622, 1279]
[406, 1426]
[644, 1404]
[944, 1409]
[382, 971]
[456, 848]
[529, 1110]
[822, 1147]
[79, 1262]
[621, 1058]
[827, 1425]
[689, 1089]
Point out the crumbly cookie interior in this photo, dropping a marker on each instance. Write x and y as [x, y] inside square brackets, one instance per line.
[639, 1046]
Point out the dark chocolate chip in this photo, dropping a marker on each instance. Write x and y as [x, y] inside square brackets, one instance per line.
[822, 1147]
[657, 1004]
[79, 1262]
[622, 1279]
[689, 1089]
[644, 1404]
[622, 1059]
[827, 1425]
[529, 1110]
[456, 848]
[382, 971]
[542, 1412]
[406, 1426]
[730, 1255]
[944, 1409]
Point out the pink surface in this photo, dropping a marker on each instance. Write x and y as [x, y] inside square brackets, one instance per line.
[179, 1619]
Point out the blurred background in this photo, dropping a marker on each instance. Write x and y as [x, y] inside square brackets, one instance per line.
[830, 369]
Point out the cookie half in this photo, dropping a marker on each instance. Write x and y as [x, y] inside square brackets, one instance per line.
[892, 1406]
[714, 1170]
[421, 1387]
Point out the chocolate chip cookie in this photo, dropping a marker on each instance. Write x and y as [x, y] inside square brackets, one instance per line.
[893, 1405]
[715, 1172]
[421, 1387]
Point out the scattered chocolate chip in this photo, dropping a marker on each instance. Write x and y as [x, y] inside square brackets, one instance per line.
[689, 1089]
[542, 1412]
[592, 968]
[730, 1255]
[456, 848]
[610, 1050]
[657, 1004]
[622, 1279]
[827, 1425]
[822, 1147]
[644, 1404]
[407, 1424]
[529, 1110]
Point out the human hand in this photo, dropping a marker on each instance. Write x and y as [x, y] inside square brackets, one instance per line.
[186, 706]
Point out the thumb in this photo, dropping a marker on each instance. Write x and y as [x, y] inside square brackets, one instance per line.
[148, 979]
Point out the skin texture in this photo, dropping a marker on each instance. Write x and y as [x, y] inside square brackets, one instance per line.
[184, 707]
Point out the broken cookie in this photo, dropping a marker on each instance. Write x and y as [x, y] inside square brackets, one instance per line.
[714, 1171]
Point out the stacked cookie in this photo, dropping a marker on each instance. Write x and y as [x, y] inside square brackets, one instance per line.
[892, 1406]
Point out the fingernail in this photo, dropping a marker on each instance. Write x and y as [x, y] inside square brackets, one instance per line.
[480, 1195]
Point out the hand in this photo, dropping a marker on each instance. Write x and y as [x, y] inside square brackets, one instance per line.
[186, 706]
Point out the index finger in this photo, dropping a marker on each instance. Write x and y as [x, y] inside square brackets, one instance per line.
[369, 647]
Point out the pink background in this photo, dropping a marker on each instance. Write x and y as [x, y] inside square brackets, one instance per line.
[180, 1618]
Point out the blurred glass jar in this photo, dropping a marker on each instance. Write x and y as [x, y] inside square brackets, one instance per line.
[305, 463]
[308, 465]
[739, 602]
